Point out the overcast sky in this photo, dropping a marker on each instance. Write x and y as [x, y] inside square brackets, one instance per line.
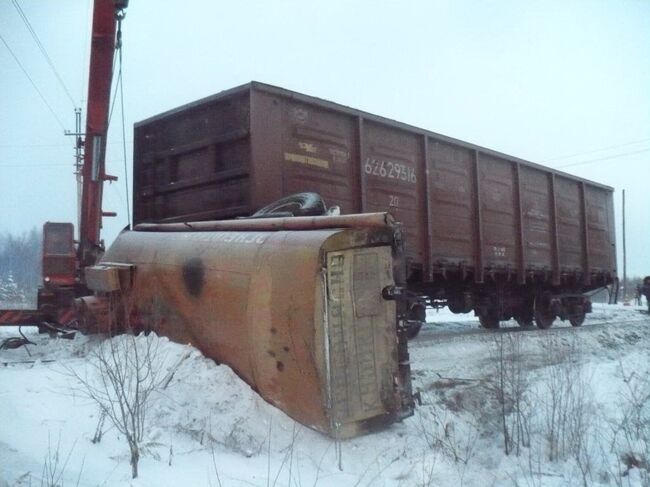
[540, 80]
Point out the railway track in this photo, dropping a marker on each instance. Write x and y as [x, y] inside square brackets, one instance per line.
[429, 335]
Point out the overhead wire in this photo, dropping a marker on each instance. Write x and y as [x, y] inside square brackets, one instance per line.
[595, 150]
[126, 174]
[41, 48]
[32, 146]
[49, 107]
[114, 97]
[85, 54]
[38, 164]
[119, 85]
[45, 164]
[615, 156]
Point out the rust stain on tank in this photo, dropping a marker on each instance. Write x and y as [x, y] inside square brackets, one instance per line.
[194, 276]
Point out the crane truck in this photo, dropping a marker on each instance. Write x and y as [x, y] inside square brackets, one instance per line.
[63, 259]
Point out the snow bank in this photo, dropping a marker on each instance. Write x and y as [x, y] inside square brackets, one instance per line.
[207, 427]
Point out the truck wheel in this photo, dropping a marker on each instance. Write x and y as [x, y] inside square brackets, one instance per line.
[299, 204]
[413, 329]
[456, 304]
[416, 317]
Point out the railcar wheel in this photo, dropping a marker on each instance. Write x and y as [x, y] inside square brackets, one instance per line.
[524, 315]
[489, 322]
[577, 320]
[544, 319]
[524, 321]
[544, 316]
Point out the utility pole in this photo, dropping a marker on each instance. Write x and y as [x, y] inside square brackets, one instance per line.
[78, 160]
[624, 256]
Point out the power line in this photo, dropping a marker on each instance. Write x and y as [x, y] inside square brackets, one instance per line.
[595, 150]
[43, 50]
[45, 164]
[83, 72]
[615, 156]
[126, 172]
[32, 146]
[33, 84]
[42, 164]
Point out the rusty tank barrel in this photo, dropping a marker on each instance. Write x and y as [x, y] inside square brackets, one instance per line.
[298, 314]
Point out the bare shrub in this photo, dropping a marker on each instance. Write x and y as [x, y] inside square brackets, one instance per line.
[427, 468]
[99, 430]
[632, 433]
[553, 419]
[510, 389]
[440, 433]
[124, 374]
[54, 465]
[567, 416]
[531, 465]
[455, 437]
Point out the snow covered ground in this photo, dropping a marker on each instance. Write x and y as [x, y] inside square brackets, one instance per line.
[208, 428]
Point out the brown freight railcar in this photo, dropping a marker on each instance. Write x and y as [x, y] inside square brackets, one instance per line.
[484, 231]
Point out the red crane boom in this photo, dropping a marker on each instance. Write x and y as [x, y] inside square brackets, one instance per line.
[106, 16]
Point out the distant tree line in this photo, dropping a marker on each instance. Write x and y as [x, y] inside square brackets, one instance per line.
[20, 262]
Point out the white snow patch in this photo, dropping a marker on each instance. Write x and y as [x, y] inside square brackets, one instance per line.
[208, 417]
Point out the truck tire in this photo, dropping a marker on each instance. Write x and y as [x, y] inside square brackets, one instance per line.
[299, 204]
[413, 330]
[457, 304]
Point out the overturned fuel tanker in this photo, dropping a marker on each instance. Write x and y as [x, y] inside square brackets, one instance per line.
[306, 310]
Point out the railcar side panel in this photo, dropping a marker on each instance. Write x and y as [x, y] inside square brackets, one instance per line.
[598, 230]
[392, 169]
[194, 163]
[536, 217]
[266, 128]
[498, 213]
[317, 154]
[570, 225]
[453, 216]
